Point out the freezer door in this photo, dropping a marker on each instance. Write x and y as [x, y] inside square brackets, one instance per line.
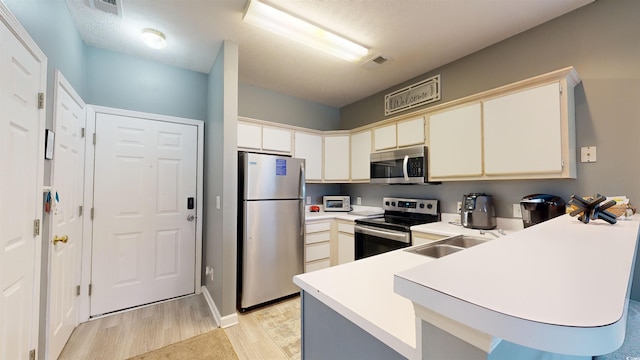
[272, 177]
[272, 250]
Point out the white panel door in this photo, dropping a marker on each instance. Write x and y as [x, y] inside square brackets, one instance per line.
[144, 234]
[68, 179]
[532, 115]
[20, 180]
[455, 145]
[336, 158]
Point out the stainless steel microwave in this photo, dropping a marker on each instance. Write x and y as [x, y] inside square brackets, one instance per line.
[336, 203]
[400, 166]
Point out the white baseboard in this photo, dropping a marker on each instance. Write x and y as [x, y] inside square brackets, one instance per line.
[222, 322]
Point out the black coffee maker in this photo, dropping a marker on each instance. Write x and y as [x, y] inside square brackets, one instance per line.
[537, 208]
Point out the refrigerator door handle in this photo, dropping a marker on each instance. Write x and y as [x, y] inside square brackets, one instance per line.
[302, 190]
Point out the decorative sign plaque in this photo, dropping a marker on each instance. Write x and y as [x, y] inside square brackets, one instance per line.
[423, 92]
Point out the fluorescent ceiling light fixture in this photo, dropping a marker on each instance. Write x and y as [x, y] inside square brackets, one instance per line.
[293, 28]
[154, 39]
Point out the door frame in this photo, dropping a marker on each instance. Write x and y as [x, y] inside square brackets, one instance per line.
[87, 238]
[21, 34]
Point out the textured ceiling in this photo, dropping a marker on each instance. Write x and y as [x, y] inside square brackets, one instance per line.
[417, 35]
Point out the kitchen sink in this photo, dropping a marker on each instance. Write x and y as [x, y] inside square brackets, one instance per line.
[447, 246]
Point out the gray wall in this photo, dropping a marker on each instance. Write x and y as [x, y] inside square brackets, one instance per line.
[128, 82]
[221, 177]
[263, 104]
[602, 41]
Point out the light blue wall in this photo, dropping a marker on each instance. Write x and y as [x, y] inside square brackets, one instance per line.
[263, 104]
[127, 82]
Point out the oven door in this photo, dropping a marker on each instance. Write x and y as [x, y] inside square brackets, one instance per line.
[371, 240]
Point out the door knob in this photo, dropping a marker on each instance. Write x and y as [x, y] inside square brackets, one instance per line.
[190, 218]
[62, 239]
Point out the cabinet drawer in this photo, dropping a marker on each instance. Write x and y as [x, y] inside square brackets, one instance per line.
[317, 226]
[317, 237]
[345, 228]
[317, 252]
[317, 265]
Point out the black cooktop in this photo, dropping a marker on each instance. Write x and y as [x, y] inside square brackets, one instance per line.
[399, 221]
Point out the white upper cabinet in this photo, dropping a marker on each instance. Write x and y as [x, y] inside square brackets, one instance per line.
[522, 132]
[255, 136]
[385, 137]
[249, 136]
[455, 147]
[336, 157]
[274, 139]
[308, 146]
[360, 152]
[411, 132]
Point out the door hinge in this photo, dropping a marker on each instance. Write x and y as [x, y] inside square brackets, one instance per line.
[90, 288]
[77, 290]
[36, 227]
[92, 212]
[40, 100]
[82, 130]
[32, 354]
[80, 210]
[94, 138]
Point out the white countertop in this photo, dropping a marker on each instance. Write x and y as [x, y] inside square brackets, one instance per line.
[362, 292]
[560, 286]
[348, 216]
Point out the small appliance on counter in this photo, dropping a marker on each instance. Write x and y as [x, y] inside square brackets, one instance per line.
[314, 208]
[478, 211]
[537, 208]
[337, 203]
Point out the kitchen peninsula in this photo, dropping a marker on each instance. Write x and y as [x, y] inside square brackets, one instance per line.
[559, 287]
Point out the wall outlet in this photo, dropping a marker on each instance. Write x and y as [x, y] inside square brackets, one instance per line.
[358, 200]
[459, 207]
[218, 202]
[588, 154]
[308, 200]
[517, 211]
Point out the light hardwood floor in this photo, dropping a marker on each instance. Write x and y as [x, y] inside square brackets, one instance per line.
[270, 333]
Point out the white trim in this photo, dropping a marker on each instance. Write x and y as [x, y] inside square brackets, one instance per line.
[21, 34]
[222, 322]
[92, 111]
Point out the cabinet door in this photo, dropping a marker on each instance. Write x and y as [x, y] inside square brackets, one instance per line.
[455, 142]
[336, 159]
[249, 136]
[360, 151]
[309, 147]
[522, 132]
[384, 137]
[411, 132]
[276, 139]
[346, 248]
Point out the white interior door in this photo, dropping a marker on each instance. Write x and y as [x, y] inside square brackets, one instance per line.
[144, 233]
[20, 180]
[68, 179]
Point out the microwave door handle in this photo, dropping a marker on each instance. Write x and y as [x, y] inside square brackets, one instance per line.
[404, 168]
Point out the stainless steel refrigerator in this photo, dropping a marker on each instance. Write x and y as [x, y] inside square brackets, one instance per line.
[271, 227]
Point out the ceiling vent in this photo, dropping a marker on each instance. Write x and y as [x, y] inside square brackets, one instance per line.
[374, 62]
[109, 6]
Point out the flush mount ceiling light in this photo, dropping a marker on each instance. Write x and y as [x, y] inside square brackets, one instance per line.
[154, 38]
[293, 28]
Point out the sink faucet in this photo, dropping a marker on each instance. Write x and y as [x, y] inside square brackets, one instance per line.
[482, 232]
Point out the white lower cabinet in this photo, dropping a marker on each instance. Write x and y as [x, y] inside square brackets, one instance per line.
[419, 238]
[317, 249]
[346, 242]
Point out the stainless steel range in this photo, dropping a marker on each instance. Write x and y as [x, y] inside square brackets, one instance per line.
[393, 230]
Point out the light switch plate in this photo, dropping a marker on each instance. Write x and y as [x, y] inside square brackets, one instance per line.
[588, 154]
[218, 202]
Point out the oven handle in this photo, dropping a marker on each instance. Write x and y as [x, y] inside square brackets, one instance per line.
[404, 237]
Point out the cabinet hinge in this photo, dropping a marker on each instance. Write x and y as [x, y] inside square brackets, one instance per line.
[40, 100]
[32, 354]
[562, 163]
[94, 138]
[80, 210]
[77, 290]
[82, 131]
[560, 89]
[90, 288]
[36, 227]
[92, 213]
